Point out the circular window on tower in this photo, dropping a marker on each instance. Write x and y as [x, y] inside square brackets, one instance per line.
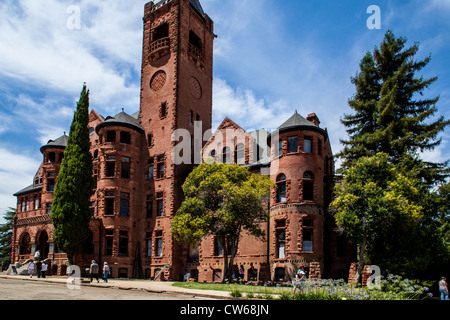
[195, 88]
[158, 80]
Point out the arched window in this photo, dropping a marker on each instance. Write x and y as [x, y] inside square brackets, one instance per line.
[212, 154]
[25, 245]
[281, 188]
[239, 154]
[226, 155]
[308, 186]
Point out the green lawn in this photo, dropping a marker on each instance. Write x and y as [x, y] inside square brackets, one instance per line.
[233, 287]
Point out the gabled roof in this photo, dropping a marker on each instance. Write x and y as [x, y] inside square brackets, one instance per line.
[60, 143]
[122, 119]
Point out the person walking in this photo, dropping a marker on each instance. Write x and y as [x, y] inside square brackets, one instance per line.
[44, 269]
[241, 272]
[93, 270]
[443, 289]
[37, 256]
[300, 279]
[31, 269]
[105, 272]
[38, 268]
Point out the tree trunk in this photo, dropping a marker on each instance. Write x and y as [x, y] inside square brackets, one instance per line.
[361, 261]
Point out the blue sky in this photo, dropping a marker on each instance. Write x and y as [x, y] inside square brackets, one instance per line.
[271, 58]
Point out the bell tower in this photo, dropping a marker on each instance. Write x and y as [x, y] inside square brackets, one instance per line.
[176, 93]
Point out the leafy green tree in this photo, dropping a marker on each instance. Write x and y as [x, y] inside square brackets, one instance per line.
[222, 200]
[6, 230]
[74, 186]
[372, 197]
[390, 115]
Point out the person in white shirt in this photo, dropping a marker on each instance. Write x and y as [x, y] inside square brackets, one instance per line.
[31, 269]
[44, 269]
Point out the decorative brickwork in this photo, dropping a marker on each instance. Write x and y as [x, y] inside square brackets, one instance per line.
[139, 184]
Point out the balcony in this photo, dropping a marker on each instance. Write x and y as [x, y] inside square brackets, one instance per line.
[196, 52]
[159, 48]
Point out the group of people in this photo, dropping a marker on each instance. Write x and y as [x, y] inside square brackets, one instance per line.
[40, 266]
[94, 271]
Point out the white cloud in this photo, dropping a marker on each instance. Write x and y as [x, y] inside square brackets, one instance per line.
[244, 108]
[42, 50]
[16, 172]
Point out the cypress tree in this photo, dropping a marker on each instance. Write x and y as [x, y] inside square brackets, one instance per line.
[74, 186]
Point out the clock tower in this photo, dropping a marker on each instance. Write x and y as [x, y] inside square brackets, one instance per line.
[176, 93]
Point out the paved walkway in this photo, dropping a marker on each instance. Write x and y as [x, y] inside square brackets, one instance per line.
[146, 285]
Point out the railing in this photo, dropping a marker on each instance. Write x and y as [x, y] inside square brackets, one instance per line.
[163, 43]
[197, 52]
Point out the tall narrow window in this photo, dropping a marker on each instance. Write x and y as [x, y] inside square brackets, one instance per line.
[239, 154]
[292, 144]
[160, 167]
[280, 147]
[109, 240]
[280, 228]
[308, 235]
[109, 203]
[48, 208]
[226, 155]
[160, 204]
[308, 186]
[150, 175]
[125, 174]
[163, 110]
[50, 185]
[218, 248]
[92, 208]
[124, 204]
[307, 145]
[159, 243]
[110, 166]
[123, 243]
[281, 188]
[149, 243]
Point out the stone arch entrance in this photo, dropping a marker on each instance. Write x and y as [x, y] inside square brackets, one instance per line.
[25, 244]
[42, 244]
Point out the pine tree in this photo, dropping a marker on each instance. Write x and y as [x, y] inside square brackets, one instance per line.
[6, 231]
[389, 115]
[74, 186]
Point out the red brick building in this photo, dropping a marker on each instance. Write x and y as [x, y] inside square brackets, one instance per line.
[140, 167]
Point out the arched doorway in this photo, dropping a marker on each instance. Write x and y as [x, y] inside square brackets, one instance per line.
[43, 245]
[25, 244]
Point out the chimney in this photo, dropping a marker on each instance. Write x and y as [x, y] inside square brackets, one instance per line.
[313, 118]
